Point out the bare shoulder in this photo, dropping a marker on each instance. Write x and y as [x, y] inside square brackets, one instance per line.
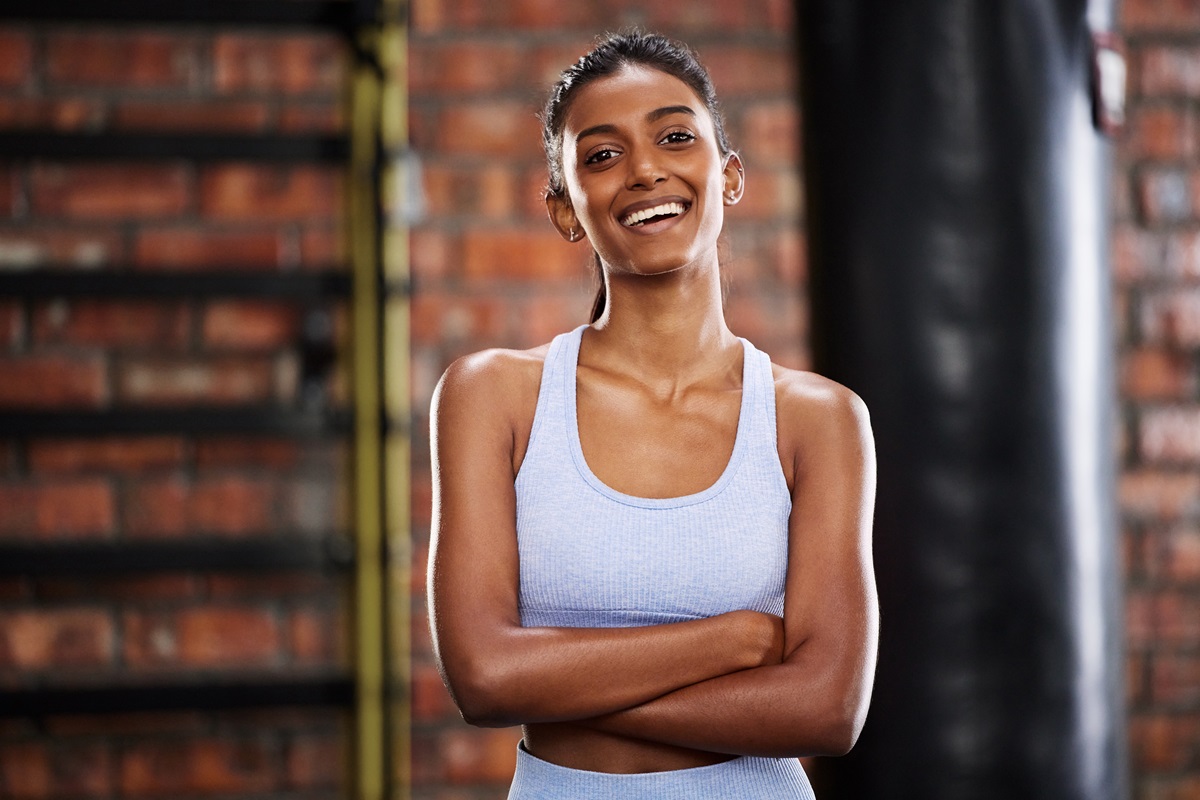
[498, 379]
[814, 411]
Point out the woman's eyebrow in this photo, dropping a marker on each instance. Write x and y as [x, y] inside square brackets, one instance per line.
[652, 116]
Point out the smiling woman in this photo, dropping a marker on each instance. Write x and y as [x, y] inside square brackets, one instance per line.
[651, 546]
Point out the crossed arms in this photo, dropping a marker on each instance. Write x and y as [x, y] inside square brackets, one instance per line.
[741, 683]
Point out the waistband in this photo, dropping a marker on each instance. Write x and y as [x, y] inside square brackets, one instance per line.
[742, 778]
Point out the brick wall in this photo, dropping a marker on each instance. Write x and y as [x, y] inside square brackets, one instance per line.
[99, 354]
[1157, 297]
[490, 271]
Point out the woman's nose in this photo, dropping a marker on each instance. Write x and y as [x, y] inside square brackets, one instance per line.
[644, 170]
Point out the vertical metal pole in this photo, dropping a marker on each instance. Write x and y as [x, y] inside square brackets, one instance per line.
[396, 390]
[379, 256]
[370, 740]
[957, 228]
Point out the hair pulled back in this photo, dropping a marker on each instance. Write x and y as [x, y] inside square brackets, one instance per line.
[609, 56]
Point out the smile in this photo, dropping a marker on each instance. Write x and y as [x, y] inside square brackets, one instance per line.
[647, 215]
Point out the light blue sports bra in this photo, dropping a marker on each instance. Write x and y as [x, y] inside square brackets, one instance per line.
[591, 556]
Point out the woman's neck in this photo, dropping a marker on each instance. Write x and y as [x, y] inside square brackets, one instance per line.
[666, 328]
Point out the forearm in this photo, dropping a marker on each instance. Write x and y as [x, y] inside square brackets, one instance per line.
[514, 675]
[785, 710]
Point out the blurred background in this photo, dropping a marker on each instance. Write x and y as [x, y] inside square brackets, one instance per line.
[240, 241]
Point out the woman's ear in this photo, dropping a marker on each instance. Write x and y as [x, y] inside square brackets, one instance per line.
[735, 179]
[562, 216]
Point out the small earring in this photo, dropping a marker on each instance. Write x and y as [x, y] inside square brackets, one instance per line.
[574, 235]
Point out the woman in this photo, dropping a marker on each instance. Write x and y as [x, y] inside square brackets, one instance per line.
[651, 546]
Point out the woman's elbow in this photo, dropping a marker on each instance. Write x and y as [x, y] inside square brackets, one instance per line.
[482, 696]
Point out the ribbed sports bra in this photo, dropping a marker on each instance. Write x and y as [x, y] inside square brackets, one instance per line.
[591, 556]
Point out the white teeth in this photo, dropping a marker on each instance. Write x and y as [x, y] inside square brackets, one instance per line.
[663, 210]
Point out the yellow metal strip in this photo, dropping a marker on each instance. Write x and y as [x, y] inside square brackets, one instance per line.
[396, 396]
[370, 734]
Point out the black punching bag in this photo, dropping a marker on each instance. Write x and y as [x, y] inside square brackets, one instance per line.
[957, 195]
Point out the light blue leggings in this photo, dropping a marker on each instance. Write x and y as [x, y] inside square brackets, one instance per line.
[743, 778]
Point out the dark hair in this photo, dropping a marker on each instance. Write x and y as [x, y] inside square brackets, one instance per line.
[610, 55]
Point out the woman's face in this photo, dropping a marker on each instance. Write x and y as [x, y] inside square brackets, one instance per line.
[645, 178]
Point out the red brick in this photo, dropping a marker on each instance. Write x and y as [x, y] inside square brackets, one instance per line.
[193, 248]
[278, 586]
[225, 380]
[67, 246]
[1163, 741]
[1168, 787]
[9, 188]
[110, 191]
[36, 770]
[1154, 373]
[1167, 16]
[770, 134]
[1177, 615]
[191, 117]
[1136, 253]
[472, 192]
[198, 767]
[228, 506]
[52, 381]
[100, 323]
[1167, 195]
[762, 315]
[466, 66]
[1175, 680]
[492, 128]
[322, 247]
[316, 762]
[242, 191]
[1170, 435]
[1139, 618]
[522, 255]
[109, 454]
[16, 57]
[1135, 679]
[519, 15]
[250, 325]
[200, 636]
[1168, 70]
[110, 58]
[1174, 553]
[438, 317]
[479, 756]
[80, 508]
[432, 254]
[312, 118]
[707, 16]
[770, 196]
[745, 71]
[1159, 495]
[430, 700]
[291, 64]
[1171, 316]
[1161, 133]
[277, 454]
[12, 324]
[60, 114]
[543, 315]
[317, 636]
[55, 638]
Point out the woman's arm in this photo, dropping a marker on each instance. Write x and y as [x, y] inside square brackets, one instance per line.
[815, 701]
[498, 672]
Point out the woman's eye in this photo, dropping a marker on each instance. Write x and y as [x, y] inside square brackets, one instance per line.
[599, 156]
[678, 137]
